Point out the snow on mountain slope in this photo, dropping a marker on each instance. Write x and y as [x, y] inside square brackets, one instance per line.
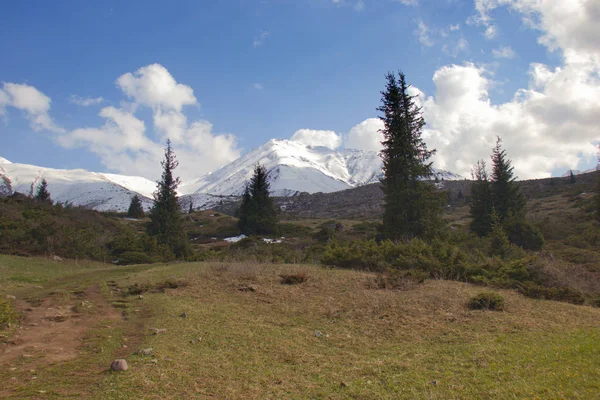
[294, 167]
[136, 184]
[78, 187]
[4, 161]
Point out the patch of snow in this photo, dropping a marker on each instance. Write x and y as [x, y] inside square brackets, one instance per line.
[4, 161]
[235, 239]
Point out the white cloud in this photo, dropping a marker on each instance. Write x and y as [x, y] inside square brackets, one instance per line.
[552, 124]
[85, 101]
[569, 25]
[365, 136]
[504, 52]
[34, 103]
[261, 38]
[258, 86]
[454, 28]
[490, 32]
[311, 137]
[423, 32]
[154, 86]
[124, 145]
[409, 2]
[456, 48]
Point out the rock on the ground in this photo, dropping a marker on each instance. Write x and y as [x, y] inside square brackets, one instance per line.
[10, 297]
[119, 365]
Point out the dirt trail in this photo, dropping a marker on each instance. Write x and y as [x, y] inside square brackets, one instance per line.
[52, 331]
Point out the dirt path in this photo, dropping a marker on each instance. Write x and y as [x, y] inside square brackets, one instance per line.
[51, 332]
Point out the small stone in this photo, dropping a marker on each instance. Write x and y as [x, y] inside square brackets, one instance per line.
[183, 315]
[342, 384]
[154, 361]
[124, 346]
[318, 334]
[159, 331]
[435, 382]
[10, 297]
[140, 297]
[119, 365]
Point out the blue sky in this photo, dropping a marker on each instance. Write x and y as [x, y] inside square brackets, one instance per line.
[266, 69]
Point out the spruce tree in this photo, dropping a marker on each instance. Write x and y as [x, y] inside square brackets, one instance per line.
[42, 195]
[508, 200]
[257, 213]
[572, 177]
[481, 200]
[411, 207]
[135, 208]
[165, 218]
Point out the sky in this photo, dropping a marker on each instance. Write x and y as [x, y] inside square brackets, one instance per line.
[101, 85]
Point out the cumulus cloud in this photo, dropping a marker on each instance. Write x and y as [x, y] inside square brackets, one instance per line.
[552, 124]
[504, 52]
[85, 101]
[35, 105]
[154, 86]
[312, 137]
[124, 144]
[365, 136]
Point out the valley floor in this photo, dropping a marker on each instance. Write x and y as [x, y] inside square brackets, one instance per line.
[233, 331]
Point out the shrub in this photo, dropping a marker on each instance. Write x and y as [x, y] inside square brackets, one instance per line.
[8, 314]
[565, 294]
[134, 257]
[398, 279]
[487, 301]
[293, 279]
[525, 235]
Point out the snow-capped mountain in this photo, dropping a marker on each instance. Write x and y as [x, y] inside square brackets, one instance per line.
[102, 192]
[294, 167]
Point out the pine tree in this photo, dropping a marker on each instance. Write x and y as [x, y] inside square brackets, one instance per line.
[499, 244]
[481, 200]
[42, 195]
[572, 177]
[508, 200]
[411, 207]
[257, 213]
[191, 210]
[165, 218]
[135, 208]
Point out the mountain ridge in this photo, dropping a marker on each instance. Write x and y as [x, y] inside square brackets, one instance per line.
[293, 167]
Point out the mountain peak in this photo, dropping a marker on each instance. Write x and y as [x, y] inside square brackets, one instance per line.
[4, 161]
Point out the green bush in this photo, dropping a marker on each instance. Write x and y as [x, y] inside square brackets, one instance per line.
[565, 294]
[134, 257]
[487, 301]
[8, 314]
[525, 235]
[439, 259]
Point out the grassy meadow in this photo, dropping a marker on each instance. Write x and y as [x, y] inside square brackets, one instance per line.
[233, 330]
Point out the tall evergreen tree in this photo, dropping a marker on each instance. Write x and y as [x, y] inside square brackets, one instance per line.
[257, 213]
[165, 218]
[135, 208]
[572, 178]
[42, 195]
[508, 200]
[411, 207]
[481, 207]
